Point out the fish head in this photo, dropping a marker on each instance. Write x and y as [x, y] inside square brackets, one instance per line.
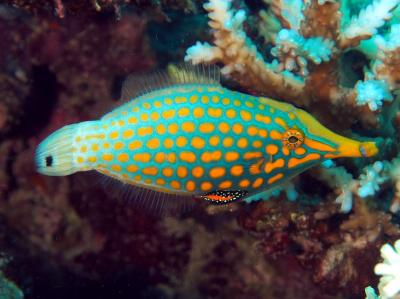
[328, 144]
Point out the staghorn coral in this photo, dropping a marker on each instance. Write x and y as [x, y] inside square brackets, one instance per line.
[307, 51]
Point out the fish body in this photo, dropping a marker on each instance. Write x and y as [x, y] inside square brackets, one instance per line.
[198, 140]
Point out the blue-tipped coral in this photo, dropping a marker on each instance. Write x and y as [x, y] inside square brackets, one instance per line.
[307, 43]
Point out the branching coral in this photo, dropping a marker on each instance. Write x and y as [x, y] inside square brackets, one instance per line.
[306, 50]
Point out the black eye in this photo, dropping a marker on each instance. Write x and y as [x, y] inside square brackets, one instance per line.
[293, 139]
[49, 161]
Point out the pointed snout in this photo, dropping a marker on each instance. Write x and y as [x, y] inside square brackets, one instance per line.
[355, 149]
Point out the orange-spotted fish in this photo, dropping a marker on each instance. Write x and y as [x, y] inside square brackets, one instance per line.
[191, 137]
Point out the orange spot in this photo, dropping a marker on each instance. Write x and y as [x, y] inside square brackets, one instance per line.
[83, 149]
[319, 146]
[230, 113]
[244, 183]
[173, 128]
[198, 142]
[92, 159]
[271, 149]
[175, 185]
[107, 157]
[132, 168]
[270, 166]
[146, 105]
[150, 170]
[160, 181]
[215, 99]
[257, 144]
[293, 162]
[171, 157]
[167, 171]
[214, 140]
[114, 135]
[187, 157]
[123, 157]
[206, 186]
[252, 130]
[144, 116]
[160, 129]
[157, 104]
[106, 145]
[214, 112]
[231, 156]
[154, 116]
[258, 182]
[80, 160]
[78, 139]
[193, 99]
[153, 143]
[249, 104]
[167, 114]
[116, 168]
[121, 122]
[190, 186]
[95, 147]
[252, 155]
[262, 118]
[281, 122]
[300, 151]
[227, 142]
[132, 120]
[143, 157]
[183, 112]
[205, 99]
[182, 172]
[217, 172]
[206, 128]
[237, 103]
[223, 127]
[134, 144]
[285, 151]
[181, 141]
[237, 128]
[215, 197]
[275, 135]
[198, 171]
[180, 100]
[198, 112]
[226, 101]
[119, 145]
[145, 131]
[242, 143]
[168, 101]
[262, 133]
[237, 170]
[168, 143]
[225, 185]
[188, 127]
[159, 157]
[275, 178]
[245, 115]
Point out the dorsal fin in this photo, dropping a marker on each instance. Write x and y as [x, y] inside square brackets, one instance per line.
[136, 85]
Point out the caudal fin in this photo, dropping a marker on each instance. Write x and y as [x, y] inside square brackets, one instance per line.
[54, 155]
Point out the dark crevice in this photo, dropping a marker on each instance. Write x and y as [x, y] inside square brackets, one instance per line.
[40, 102]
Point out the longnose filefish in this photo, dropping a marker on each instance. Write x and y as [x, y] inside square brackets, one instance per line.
[189, 137]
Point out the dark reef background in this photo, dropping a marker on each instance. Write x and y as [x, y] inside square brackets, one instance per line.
[65, 237]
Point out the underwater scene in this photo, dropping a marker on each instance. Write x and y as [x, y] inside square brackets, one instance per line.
[199, 149]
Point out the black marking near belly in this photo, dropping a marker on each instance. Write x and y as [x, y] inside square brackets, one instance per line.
[224, 196]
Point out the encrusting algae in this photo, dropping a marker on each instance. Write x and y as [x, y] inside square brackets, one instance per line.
[187, 136]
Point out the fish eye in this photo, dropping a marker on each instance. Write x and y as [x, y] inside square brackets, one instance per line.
[49, 161]
[292, 139]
